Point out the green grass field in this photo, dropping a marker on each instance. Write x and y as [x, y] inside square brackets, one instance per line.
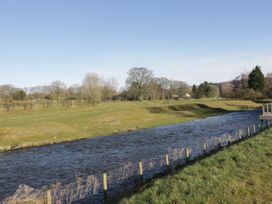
[26, 128]
[239, 174]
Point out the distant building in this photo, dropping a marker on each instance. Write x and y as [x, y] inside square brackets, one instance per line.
[176, 97]
[187, 95]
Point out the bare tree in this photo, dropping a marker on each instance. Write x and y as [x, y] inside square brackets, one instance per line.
[178, 88]
[109, 89]
[74, 92]
[164, 83]
[138, 77]
[91, 88]
[240, 85]
[38, 92]
[152, 90]
[6, 92]
[57, 90]
[268, 85]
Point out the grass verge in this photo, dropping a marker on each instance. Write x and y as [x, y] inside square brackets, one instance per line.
[239, 174]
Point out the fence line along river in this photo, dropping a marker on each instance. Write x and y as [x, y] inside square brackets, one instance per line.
[42, 166]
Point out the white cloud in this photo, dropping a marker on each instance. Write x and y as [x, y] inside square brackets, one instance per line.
[193, 69]
[214, 69]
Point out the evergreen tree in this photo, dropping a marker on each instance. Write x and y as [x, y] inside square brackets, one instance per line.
[256, 79]
[194, 91]
[206, 89]
[201, 90]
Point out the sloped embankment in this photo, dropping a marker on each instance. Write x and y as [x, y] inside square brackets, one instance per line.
[239, 174]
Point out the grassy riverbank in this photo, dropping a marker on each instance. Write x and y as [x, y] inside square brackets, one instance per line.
[39, 126]
[239, 174]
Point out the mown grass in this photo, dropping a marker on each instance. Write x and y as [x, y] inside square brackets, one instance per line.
[20, 128]
[239, 174]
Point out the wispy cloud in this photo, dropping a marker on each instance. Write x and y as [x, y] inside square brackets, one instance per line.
[214, 68]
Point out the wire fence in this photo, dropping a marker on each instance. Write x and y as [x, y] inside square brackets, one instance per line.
[99, 188]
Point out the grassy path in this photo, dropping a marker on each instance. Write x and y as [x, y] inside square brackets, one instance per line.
[239, 174]
[40, 126]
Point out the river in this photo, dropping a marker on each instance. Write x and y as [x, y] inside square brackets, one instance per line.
[40, 166]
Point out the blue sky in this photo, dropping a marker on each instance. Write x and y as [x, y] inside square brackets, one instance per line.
[193, 41]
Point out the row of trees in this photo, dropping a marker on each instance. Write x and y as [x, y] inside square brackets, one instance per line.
[142, 84]
[93, 89]
[205, 89]
[251, 85]
[10, 92]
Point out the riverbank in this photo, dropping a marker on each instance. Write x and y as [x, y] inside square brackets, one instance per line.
[43, 126]
[239, 174]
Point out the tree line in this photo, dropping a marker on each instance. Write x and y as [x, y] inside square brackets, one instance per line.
[253, 85]
[142, 84]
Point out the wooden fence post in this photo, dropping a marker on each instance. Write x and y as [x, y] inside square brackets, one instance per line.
[254, 129]
[239, 134]
[187, 154]
[219, 142]
[140, 165]
[248, 131]
[205, 147]
[105, 187]
[140, 168]
[48, 197]
[167, 160]
[229, 139]
[167, 163]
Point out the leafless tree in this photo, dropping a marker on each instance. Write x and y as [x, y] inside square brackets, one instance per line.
[73, 92]
[164, 83]
[268, 85]
[178, 88]
[57, 90]
[6, 92]
[138, 77]
[240, 85]
[91, 88]
[109, 89]
[152, 90]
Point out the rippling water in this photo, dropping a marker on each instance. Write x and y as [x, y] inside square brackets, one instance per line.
[41, 166]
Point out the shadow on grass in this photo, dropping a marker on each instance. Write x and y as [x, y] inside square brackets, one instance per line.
[242, 107]
[262, 101]
[189, 110]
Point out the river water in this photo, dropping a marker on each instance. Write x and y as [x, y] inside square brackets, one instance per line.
[37, 167]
